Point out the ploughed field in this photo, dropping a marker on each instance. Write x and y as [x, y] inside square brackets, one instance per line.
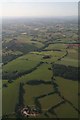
[36, 66]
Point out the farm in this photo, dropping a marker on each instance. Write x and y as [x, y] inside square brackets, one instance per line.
[36, 77]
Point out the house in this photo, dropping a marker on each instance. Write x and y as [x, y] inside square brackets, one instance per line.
[27, 112]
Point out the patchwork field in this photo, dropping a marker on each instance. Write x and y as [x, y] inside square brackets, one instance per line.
[33, 91]
[37, 60]
[66, 111]
[9, 99]
[52, 101]
[68, 89]
[56, 46]
[19, 65]
[71, 59]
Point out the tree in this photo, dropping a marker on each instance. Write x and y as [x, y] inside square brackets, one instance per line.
[21, 95]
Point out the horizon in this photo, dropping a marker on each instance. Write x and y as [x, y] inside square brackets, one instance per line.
[74, 16]
[59, 18]
[38, 10]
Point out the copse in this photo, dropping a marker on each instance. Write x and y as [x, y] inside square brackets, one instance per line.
[67, 72]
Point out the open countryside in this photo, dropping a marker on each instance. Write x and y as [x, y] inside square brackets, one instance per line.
[40, 68]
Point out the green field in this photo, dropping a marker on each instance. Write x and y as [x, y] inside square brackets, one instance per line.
[37, 74]
[66, 111]
[49, 101]
[30, 60]
[34, 91]
[28, 39]
[41, 73]
[67, 61]
[71, 59]
[19, 65]
[55, 55]
[10, 98]
[32, 52]
[68, 89]
[56, 46]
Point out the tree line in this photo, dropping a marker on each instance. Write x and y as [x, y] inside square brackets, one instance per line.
[67, 72]
[15, 74]
[20, 103]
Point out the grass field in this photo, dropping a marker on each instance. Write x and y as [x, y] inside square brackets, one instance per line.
[38, 74]
[19, 65]
[32, 57]
[30, 60]
[4, 81]
[71, 59]
[35, 51]
[41, 73]
[70, 62]
[69, 89]
[28, 39]
[56, 46]
[49, 101]
[33, 91]
[66, 111]
[10, 98]
[55, 55]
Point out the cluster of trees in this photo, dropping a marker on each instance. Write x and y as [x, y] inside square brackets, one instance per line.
[20, 103]
[52, 50]
[9, 57]
[38, 82]
[42, 48]
[38, 105]
[16, 74]
[5, 85]
[21, 95]
[68, 72]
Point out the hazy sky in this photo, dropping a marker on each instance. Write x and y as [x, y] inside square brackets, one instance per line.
[38, 9]
[39, 0]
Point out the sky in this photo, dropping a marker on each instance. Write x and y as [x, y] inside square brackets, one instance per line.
[31, 8]
[39, 0]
